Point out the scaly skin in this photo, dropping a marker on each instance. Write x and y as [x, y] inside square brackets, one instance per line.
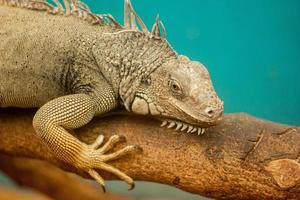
[74, 71]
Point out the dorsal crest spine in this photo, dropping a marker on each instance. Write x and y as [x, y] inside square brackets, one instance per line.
[132, 22]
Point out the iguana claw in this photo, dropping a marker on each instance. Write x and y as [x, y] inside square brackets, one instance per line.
[103, 188]
[98, 158]
[132, 186]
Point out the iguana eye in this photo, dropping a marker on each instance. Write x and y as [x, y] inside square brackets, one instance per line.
[175, 87]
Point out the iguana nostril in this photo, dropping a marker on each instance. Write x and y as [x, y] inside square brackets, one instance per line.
[209, 111]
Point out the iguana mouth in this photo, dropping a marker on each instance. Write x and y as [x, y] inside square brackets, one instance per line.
[178, 125]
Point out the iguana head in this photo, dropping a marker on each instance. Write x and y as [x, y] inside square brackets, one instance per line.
[160, 83]
[179, 93]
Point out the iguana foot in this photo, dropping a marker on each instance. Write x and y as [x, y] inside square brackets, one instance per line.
[94, 157]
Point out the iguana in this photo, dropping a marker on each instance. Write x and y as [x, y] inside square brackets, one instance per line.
[73, 65]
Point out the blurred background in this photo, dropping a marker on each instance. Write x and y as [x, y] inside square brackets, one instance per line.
[251, 48]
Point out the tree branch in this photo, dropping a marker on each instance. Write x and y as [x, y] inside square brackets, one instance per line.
[10, 193]
[243, 157]
[51, 181]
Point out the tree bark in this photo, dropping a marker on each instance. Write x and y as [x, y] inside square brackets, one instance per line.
[10, 193]
[51, 181]
[243, 157]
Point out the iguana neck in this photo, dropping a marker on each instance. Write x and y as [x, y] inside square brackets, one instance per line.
[128, 58]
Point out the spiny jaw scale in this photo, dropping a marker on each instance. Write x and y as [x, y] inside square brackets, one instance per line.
[182, 126]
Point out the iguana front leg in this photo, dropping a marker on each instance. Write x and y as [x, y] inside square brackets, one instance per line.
[73, 111]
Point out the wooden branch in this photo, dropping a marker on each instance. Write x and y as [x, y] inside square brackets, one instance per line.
[243, 157]
[50, 180]
[17, 194]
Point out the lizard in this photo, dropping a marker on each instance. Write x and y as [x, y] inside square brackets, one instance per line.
[73, 65]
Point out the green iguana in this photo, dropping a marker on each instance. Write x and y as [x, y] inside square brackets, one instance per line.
[75, 65]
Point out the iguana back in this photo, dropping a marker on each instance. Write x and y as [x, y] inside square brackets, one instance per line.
[37, 49]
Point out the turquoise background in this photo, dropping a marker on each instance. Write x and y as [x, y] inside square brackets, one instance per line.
[251, 48]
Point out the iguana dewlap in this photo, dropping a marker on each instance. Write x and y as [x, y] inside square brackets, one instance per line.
[75, 65]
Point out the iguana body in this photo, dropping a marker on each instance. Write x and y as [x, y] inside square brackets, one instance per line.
[74, 71]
